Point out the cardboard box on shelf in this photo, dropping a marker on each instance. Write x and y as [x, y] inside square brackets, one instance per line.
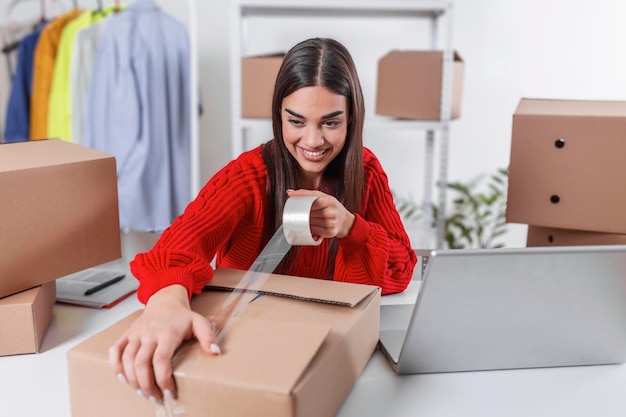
[409, 85]
[59, 212]
[258, 75]
[295, 351]
[551, 236]
[567, 168]
[24, 319]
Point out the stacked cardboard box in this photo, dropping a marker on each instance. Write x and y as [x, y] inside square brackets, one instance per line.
[567, 171]
[409, 85]
[294, 352]
[258, 75]
[59, 216]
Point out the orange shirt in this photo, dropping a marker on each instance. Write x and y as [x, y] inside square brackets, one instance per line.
[43, 67]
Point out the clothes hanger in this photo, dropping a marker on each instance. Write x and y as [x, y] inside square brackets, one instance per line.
[13, 45]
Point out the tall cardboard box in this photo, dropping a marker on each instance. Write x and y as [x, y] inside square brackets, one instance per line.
[24, 319]
[409, 85]
[567, 165]
[258, 76]
[551, 236]
[295, 351]
[59, 212]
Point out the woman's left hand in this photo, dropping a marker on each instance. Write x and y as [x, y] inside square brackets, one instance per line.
[329, 218]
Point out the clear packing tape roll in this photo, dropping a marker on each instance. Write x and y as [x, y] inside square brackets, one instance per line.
[296, 221]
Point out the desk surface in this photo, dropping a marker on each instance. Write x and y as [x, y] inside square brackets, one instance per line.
[37, 385]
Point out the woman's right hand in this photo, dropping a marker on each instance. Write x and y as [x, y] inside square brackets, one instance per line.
[142, 356]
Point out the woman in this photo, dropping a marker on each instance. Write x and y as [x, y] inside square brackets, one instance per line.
[317, 115]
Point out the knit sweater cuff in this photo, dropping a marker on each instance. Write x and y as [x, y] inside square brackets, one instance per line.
[169, 277]
[358, 236]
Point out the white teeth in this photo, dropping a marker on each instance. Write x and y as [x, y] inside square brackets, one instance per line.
[313, 153]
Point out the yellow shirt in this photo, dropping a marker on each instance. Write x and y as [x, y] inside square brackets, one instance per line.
[43, 67]
[59, 102]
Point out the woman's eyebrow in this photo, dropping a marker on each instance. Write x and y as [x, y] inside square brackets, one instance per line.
[293, 113]
[327, 116]
[333, 114]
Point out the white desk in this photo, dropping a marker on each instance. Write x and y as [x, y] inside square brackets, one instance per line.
[37, 385]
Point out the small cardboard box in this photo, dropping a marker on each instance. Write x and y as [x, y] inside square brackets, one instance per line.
[258, 75]
[409, 85]
[24, 319]
[567, 165]
[59, 212]
[295, 351]
[551, 236]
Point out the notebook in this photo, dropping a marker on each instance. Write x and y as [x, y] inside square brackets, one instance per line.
[487, 309]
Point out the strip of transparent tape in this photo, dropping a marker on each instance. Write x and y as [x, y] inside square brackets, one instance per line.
[295, 230]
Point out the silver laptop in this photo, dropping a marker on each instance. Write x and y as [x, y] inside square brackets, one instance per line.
[486, 309]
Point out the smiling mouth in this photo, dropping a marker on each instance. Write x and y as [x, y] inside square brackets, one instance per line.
[312, 153]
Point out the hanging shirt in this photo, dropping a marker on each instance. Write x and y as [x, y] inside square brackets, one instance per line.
[17, 122]
[139, 111]
[9, 34]
[81, 68]
[43, 67]
[59, 102]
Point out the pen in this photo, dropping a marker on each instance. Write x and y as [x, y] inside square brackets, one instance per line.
[104, 285]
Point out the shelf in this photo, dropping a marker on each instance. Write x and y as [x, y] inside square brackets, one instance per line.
[346, 8]
[431, 10]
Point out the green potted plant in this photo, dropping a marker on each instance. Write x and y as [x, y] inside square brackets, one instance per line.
[476, 217]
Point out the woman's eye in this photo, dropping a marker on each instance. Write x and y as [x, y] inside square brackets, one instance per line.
[296, 122]
[331, 123]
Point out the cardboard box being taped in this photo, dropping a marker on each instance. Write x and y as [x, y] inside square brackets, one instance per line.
[551, 236]
[258, 75]
[24, 319]
[295, 351]
[59, 212]
[567, 165]
[409, 85]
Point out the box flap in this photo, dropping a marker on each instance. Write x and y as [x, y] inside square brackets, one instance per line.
[257, 354]
[309, 289]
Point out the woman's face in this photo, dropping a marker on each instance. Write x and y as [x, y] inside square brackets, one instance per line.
[315, 125]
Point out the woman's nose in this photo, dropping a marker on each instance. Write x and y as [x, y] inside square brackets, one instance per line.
[313, 137]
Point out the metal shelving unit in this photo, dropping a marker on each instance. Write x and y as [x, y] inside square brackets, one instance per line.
[432, 10]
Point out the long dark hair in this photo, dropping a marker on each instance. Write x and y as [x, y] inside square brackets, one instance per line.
[317, 62]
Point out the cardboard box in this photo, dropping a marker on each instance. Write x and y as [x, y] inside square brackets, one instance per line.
[550, 236]
[24, 319]
[409, 85]
[567, 165]
[59, 212]
[294, 354]
[258, 76]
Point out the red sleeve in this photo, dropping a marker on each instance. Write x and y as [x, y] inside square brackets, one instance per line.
[377, 251]
[184, 252]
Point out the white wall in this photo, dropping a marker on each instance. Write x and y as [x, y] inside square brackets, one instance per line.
[514, 48]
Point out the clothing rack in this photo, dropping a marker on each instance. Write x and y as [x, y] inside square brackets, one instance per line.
[195, 168]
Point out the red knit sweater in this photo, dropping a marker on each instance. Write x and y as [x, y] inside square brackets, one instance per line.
[227, 219]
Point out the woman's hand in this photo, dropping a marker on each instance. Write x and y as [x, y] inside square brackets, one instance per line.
[142, 356]
[329, 218]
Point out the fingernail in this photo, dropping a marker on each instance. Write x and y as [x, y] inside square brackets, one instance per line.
[168, 394]
[122, 378]
[153, 399]
[141, 394]
[289, 190]
[215, 348]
